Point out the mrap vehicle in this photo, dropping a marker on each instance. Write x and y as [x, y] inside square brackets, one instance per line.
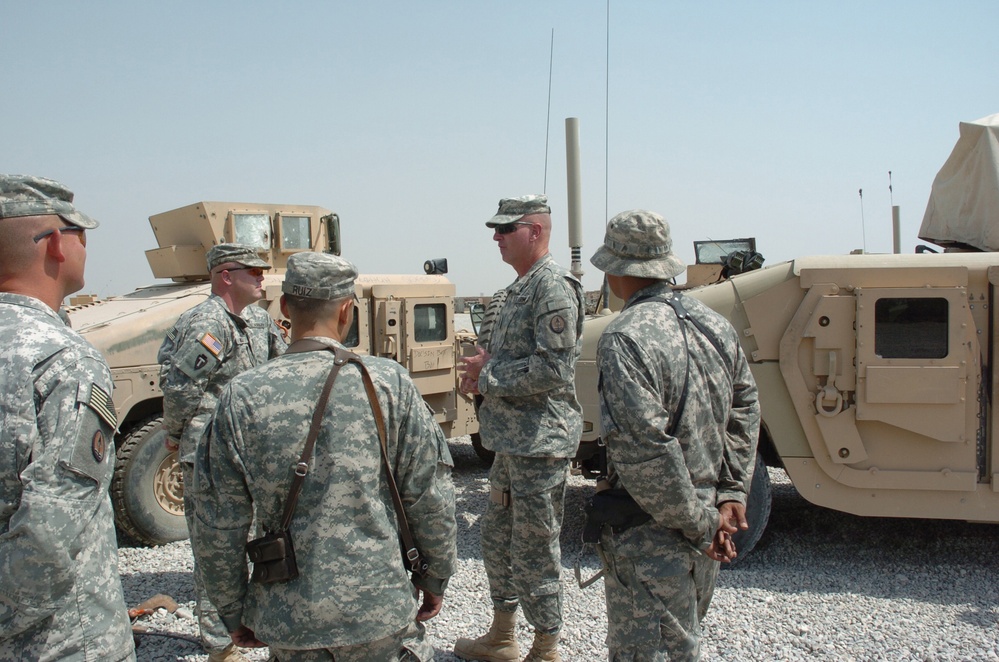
[877, 374]
[409, 318]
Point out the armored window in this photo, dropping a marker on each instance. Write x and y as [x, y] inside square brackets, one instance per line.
[430, 321]
[252, 229]
[352, 339]
[295, 234]
[910, 328]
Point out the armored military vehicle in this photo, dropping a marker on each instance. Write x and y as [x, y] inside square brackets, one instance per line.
[409, 318]
[877, 373]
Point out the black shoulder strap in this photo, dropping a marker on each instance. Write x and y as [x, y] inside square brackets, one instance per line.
[682, 315]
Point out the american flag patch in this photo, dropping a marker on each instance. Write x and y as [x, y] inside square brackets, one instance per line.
[100, 402]
[211, 343]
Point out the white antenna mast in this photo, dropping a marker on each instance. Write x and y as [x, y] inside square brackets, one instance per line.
[548, 117]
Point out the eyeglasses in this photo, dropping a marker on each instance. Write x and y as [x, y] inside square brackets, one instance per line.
[254, 271]
[63, 229]
[509, 227]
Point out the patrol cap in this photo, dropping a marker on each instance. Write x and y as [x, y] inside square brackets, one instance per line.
[319, 276]
[513, 209]
[27, 195]
[238, 253]
[637, 243]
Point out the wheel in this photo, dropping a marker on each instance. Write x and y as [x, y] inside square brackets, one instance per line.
[489, 317]
[757, 513]
[484, 453]
[148, 487]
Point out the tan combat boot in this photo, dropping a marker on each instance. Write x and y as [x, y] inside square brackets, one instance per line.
[229, 654]
[545, 648]
[497, 645]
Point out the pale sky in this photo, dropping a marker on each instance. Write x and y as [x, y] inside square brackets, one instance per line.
[412, 119]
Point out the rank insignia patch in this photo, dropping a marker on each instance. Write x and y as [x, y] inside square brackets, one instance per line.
[557, 324]
[99, 446]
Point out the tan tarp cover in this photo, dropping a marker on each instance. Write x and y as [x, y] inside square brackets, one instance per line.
[963, 210]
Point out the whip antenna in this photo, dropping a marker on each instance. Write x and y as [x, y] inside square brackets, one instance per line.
[548, 118]
[863, 228]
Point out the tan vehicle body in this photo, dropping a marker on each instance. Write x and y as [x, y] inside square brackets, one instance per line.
[409, 318]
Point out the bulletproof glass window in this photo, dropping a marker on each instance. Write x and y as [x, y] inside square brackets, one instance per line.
[295, 234]
[352, 339]
[910, 328]
[252, 229]
[430, 319]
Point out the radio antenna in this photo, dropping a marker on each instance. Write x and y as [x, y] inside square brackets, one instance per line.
[863, 226]
[548, 118]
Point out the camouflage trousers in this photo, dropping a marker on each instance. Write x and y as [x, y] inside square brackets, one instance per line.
[407, 645]
[214, 635]
[655, 603]
[520, 539]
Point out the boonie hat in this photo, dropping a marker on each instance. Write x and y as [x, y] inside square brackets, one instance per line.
[637, 243]
[514, 209]
[238, 253]
[27, 195]
[319, 276]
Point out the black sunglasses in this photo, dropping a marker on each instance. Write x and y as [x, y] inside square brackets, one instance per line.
[255, 271]
[509, 227]
[65, 228]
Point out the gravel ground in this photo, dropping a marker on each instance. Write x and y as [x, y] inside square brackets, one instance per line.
[820, 585]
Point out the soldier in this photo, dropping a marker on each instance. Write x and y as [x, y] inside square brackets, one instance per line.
[207, 346]
[354, 600]
[60, 593]
[680, 418]
[529, 416]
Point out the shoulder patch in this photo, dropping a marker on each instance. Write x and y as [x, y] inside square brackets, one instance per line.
[99, 446]
[211, 343]
[557, 324]
[100, 402]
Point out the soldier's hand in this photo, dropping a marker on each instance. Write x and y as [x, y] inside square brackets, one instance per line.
[244, 638]
[171, 444]
[431, 606]
[733, 517]
[722, 547]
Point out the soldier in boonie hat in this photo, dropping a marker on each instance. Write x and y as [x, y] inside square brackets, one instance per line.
[238, 253]
[27, 195]
[319, 276]
[637, 243]
[512, 210]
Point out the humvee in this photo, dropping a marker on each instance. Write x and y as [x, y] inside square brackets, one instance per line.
[877, 373]
[409, 318]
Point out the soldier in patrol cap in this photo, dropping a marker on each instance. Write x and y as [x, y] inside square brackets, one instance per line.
[207, 346]
[354, 600]
[530, 417]
[60, 592]
[686, 460]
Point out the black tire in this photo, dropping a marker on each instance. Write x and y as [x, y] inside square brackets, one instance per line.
[148, 486]
[757, 513]
[486, 455]
[489, 317]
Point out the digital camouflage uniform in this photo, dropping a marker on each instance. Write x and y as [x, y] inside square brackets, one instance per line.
[353, 596]
[208, 346]
[60, 592]
[531, 419]
[658, 581]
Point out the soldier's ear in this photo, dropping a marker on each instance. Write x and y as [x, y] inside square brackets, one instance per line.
[283, 305]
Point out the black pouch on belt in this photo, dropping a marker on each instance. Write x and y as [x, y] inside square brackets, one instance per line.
[614, 508]
[273, 557]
